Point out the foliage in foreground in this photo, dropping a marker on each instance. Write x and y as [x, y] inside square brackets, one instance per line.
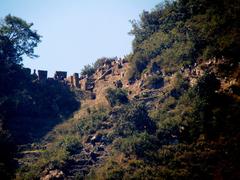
[22, 96]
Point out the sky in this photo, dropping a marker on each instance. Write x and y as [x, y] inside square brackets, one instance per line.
[77, 32]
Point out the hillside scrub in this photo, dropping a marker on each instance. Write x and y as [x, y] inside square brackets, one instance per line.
[178, 33]
[116, 96]
[186, 126]
[195, 125]
[154, 82]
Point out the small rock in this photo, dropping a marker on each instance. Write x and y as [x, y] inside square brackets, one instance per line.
[53, 174]
[96, 138]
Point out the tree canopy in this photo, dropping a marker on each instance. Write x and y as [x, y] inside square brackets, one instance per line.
[17, 39]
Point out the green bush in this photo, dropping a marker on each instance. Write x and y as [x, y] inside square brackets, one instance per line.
[92, 122]
[180, 86]
[71, 144]
[88, 70]
[116, 96]
[154, 82]
[139, 144]
[134, 118]
[101, 61]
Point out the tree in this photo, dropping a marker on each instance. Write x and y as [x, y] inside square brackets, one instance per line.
[17, 39]
[88, 70]
[101, 61]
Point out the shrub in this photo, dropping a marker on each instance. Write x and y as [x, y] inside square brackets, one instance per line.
[116, 96]
[134, 118]
[154, 82]
[91, 123]
[179, 87]
[207, 85]
[88, 70]
[71, 144]
[138, 144]
[100, 62]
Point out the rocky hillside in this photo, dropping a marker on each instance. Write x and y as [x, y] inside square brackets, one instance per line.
[91, 138]
[168, 110]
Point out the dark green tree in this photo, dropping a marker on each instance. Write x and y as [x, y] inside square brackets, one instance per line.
[88, 70]
[17, 39]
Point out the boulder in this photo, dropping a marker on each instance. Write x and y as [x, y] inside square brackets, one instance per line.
[53, 175]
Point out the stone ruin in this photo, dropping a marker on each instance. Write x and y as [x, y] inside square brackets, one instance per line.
[70, 81]
[60, 75]
[76, 80]
[34, 75]
[73, 80]
[42, 75]
[85, 83]
[113, 67]
[108, 67]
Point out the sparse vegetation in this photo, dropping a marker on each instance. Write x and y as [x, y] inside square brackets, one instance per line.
[175, 126]
[176, 33]
[116, 96]
[154, 82]
[89, 70]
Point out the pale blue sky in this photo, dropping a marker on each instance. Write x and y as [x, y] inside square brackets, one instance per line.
[77, 32]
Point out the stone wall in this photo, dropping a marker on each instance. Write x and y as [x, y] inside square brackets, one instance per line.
[60, 75]
[42, 75]
[76, 80]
